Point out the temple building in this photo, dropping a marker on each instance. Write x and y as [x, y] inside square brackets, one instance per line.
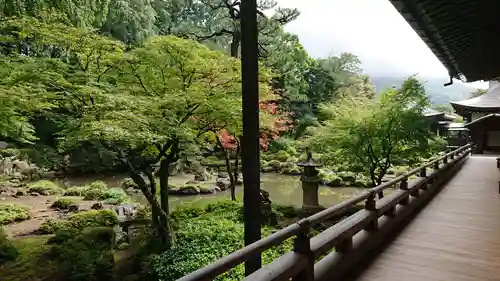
[482, 118]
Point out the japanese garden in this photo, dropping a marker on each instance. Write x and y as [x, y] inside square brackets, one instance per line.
[121, 135]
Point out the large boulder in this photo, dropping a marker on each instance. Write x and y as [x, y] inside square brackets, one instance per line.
[202, 175]
[223, 183]
[189, 190]
[126, 211]
[208, 189]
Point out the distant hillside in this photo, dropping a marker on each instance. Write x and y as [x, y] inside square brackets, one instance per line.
[438, 94]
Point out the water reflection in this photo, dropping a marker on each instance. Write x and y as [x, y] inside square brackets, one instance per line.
[283, 189]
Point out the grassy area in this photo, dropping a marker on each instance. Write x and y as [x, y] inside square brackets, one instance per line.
[30, 265]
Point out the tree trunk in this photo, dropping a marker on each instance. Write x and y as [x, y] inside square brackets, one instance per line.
[236, 171]
[163, 174]
[163, 227]
[235, 41]
[232, 179]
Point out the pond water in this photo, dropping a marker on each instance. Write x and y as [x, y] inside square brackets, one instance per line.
[283, 189]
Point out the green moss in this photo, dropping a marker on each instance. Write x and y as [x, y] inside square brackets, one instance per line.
[93, 218]
[94, 194]
[10, 213]
[44, 187]
[275, 164]
[282, 156]
[76, 191]
[51, 226]
[62, 203]
[31, 264]
[7, 251]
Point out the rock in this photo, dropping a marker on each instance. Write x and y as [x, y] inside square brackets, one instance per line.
[125, 211]
[202, 176]
[347, 176]
[97, 206]
[34, 194]
[216, 188]
[223, 175]
[4, 189]
[17, 176]
[267, 169]
[195, 182]
[208, 189]
[240, 179]
[23, 193]
[265, 196]
[129, 183]
[49, 175]
[189, 189]
[74, 208]
[223, 183]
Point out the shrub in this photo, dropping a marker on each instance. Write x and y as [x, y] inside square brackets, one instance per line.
[80, 221]
[7, 251]
[9, 152]
[75, 191]
[94, 194]
[287, 211]
[128, 183]
[282, 156]
[98, 185]
[52, 226]
[202, 241]
[115, 196]
[93, 218]
[85, 255]
[62, 203]
[275, 164]
[10, 213]
[44, 187]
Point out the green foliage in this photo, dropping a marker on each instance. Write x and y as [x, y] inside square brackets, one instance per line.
[202, 241]
[62, 203]
[80, 221]
[7, 251]
[10, 213]
[366, 135]
[86, 255]
[75, 191]
[51, 226]
[93, 218]
[44, 187]
[31, 263]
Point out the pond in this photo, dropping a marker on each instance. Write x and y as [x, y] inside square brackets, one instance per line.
[283, 189]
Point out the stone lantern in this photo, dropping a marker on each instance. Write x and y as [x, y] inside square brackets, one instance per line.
[310, 184]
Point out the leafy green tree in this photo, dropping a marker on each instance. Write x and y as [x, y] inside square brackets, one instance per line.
[368, 135]
[163, 92]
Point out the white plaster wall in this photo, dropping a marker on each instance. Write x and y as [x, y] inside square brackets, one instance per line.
[493, 138]
[477, 115]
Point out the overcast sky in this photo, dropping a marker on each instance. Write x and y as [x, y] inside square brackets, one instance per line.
[371, 29]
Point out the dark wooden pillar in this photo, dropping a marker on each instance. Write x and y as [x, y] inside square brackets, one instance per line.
[250, 140]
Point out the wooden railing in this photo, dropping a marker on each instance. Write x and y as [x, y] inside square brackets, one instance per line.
[335, 251]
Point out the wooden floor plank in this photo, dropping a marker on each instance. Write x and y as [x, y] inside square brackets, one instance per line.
[456, 237]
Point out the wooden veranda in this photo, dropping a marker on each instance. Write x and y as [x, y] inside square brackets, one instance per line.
[455, 237]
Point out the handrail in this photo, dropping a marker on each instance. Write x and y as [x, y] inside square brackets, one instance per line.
[301, 228]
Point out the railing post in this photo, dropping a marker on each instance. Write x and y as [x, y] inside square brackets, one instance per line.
[445, 159]
[423, 172]
[302, 245]
[403, 185]
[371, 206]
[436, 165]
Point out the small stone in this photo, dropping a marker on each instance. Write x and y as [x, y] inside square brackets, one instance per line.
[97, 206]
[23, 193]
[34, 194]
[74, 208]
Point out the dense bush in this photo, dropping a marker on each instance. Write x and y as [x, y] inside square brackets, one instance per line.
[202, 241]
[11, 213]
[51, 226]
[79, 221]
[98, 190]
[7, 251]
[44, 187]
[85, 255]
[62, 203]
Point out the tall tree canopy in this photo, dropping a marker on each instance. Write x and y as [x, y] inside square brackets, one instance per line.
[368, 135]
